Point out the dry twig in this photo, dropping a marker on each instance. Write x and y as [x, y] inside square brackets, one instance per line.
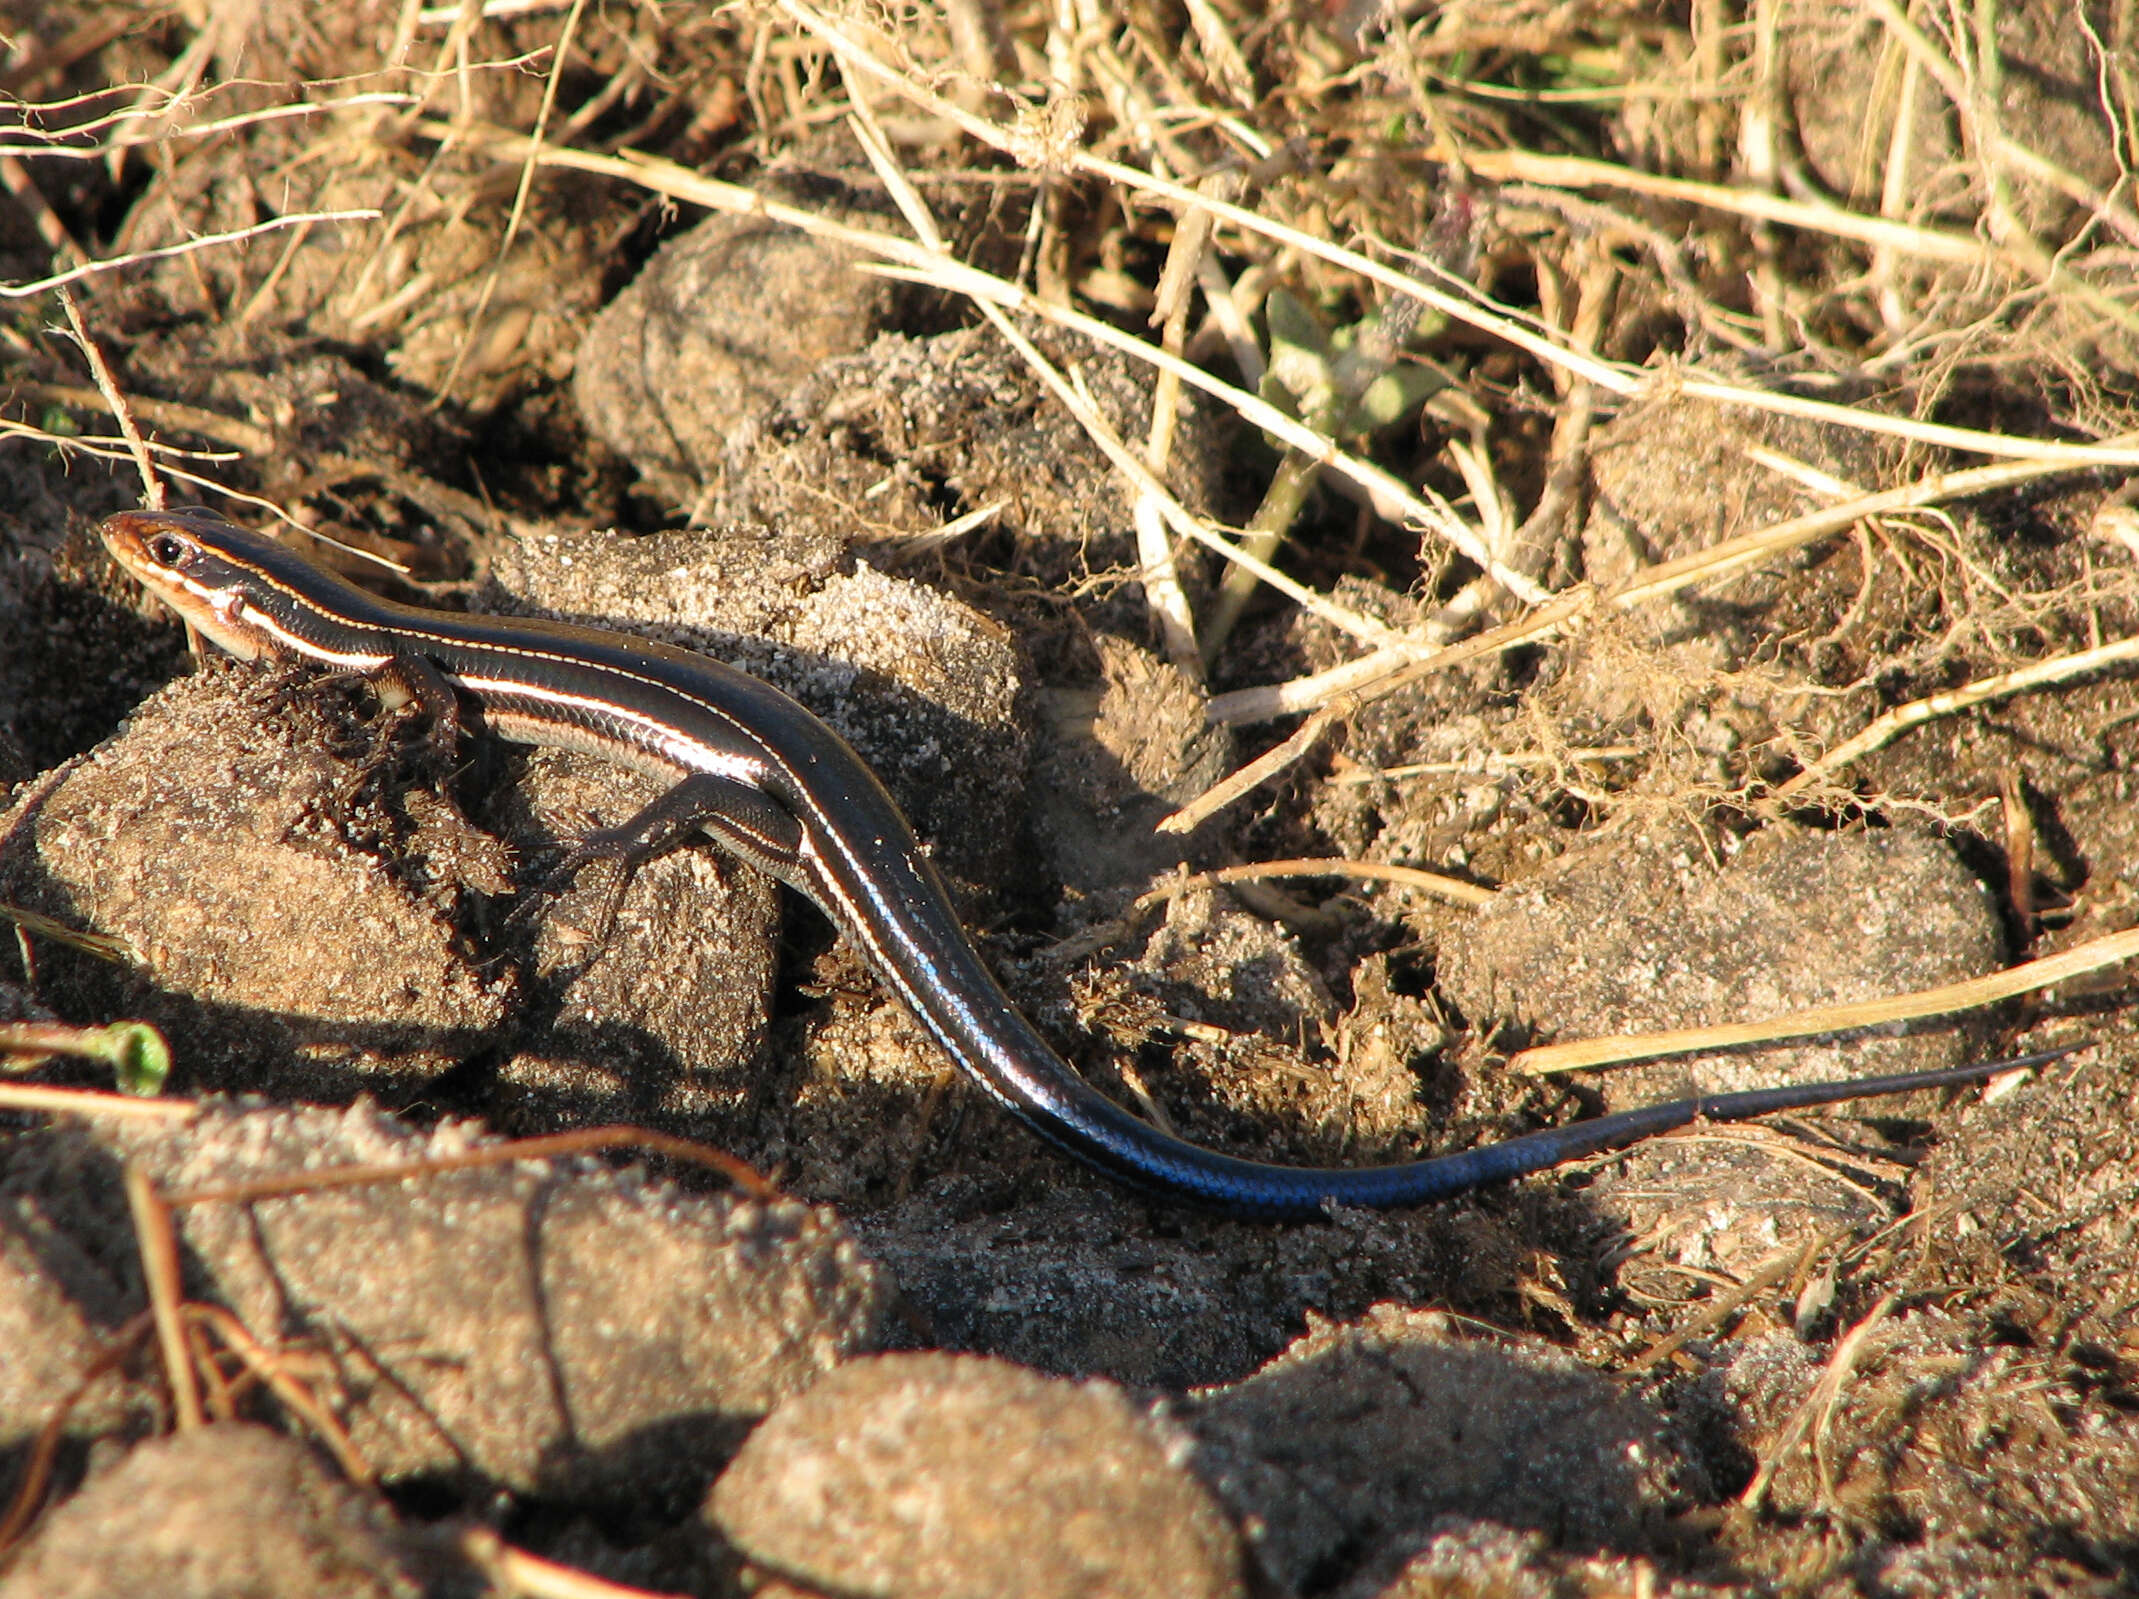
[159, 1268]
[1390, 668]
[1818, 1407]
[107, 385]
[207, 241]
[2003, 685]
[1947, 999]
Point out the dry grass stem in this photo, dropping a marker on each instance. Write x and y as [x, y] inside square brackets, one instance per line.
[160, 1270]
[551, 1146]
[101, 945]
[243, 436]
[108, 447]
[516, 1574]
[51, 148]
[1837, 1166]
[1391, 667]
[89, 1102]
[272, 1369]
[15, 177]
[1780, 1268]
[1890, 726]
[94, 1102]
[151, 486]
[1736, 555]
[1257, 772]
[957, 528]
[1387, 670]
[1488, 761]
[1818, 1406]
[207, 241]
[1945, 1000]
[1579, 172]
[491, 11]
[1453, 889]
[2003, 445]
[1157, 569]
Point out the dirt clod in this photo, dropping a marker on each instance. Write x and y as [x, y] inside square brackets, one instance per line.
[550, 1328]
[954, 1476]
[1650, 933]
[223, 1511]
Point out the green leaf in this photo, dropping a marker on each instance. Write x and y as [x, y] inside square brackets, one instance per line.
[1299, 359]
[1293, 325]
[1396, 394]
[135, 1051]
[1272, 388]
[139, 1056]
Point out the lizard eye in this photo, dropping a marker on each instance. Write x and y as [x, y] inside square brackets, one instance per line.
[168, 549]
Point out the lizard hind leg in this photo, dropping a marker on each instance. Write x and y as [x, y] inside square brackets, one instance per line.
[743, 820]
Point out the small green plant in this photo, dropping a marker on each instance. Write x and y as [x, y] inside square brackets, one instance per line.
[139, 1058]
[1352, 380]
[1345, 383]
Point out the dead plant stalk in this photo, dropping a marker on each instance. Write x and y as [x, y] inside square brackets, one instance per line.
[1387, 668]
[918, 263]
[2004, 685]
[207, 241]
[1469, 308]
[160, 1270]
[1945, 1000]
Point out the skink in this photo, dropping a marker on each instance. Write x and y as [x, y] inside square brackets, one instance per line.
[764, 778]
